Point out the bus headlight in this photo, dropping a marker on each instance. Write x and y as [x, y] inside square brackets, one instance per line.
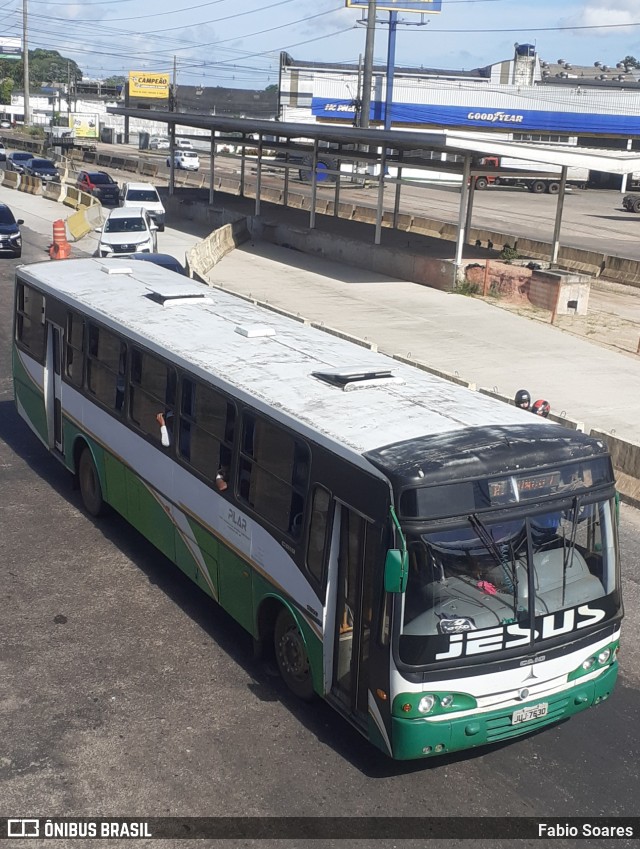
[446, 701]
[589, 663]
[604, 656]
[426, 704]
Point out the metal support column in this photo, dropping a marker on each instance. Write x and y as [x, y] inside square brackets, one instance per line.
[212, 163]
[314, 186]
[462, 216]
[380, 209]
[472, 194]
[336, 196]
[558, 223]
[396, 202]
[285, 192]
[243, 162]
[259, 177]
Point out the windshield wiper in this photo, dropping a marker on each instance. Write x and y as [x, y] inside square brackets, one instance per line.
[567, 552]
[485, 537]
[503, 555]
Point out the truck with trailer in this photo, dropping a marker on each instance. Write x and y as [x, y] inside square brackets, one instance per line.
[538, 178]
[74, 131]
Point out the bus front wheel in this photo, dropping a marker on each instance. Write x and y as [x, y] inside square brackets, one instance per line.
[89, 483]
[292, 657]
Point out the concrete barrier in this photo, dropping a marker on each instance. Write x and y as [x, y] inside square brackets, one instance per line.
[78, 225]
[54, 191]
[148, 169]
[626, 461]
[454, 378]
[30, 185]
[365, 214]
[621, 269]
[130, 165]
[217, 245]
[11, 179]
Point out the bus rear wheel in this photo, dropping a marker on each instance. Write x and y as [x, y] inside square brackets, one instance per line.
[291, 656]
[89, 483]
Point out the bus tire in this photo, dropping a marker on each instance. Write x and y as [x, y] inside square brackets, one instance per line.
[538, 187]
[553, 188]
[89, 482]
[635, 207]
[291, 656]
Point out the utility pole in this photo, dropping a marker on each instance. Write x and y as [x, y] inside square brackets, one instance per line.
[25, 64]
[367, 74]
[173, 94]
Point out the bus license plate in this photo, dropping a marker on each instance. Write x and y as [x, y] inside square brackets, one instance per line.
[527, 714]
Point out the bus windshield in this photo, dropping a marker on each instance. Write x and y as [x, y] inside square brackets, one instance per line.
[491, 583]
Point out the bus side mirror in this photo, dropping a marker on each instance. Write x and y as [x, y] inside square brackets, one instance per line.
[396, 571]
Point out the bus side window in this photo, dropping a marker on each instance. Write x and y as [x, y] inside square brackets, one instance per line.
[206, 430]
[30, 326]
[273, 473]
[152, 390]
[106, 364]
[317, 541]
[74, 353]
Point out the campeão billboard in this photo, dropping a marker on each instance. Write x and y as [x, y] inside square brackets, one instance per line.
[148, 85]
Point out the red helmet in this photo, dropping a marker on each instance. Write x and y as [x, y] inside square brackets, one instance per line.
[541, 408]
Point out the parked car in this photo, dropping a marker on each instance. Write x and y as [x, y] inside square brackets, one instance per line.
[101, 185]
[10, 237]
[146, 196]
[5, 125]
[186, 160]
[16, 160]
[127, 231]
[43, 168]
[164, 260]
[3, 153]
[159, 143]
[184, 144]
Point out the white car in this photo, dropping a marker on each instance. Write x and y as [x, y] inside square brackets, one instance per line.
[184, 144]
[187, 160]
[127, 231]
[146, 196]
[159, 143]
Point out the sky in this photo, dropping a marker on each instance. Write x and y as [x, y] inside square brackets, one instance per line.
[237, 43]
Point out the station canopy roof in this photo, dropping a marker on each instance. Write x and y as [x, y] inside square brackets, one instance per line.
[412, 142]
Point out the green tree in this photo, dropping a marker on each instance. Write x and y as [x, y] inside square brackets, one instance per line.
[45, 66]
[6, 87]
[630, 62]
[272, 87]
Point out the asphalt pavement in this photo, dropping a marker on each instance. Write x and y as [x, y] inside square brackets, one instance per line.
[481, 343]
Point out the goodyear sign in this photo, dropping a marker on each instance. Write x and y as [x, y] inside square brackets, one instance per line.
[148, 84]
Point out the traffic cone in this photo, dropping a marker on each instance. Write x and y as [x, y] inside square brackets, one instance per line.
[60, 248]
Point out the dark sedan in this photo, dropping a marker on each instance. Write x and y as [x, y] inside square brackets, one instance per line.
[16, 160]
[10, 238]
[42, 168]
[99, 184]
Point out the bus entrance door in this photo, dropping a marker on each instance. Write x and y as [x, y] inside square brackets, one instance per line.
[353, 613]
[53, 387]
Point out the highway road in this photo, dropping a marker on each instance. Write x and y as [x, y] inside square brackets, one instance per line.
[127, 692]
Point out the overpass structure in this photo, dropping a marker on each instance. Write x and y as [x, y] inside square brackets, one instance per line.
[383, 152]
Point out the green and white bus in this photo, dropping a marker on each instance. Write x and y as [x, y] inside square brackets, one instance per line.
[441, 567]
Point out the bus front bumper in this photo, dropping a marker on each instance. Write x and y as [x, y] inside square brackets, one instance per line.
[423, 738]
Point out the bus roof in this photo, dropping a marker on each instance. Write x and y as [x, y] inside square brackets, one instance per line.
[334, 388]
